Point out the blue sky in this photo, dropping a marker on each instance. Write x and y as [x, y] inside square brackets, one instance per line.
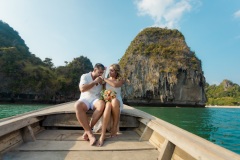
[102, 30]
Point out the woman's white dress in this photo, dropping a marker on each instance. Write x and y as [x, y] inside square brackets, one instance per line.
[98, 125]
[118, 95]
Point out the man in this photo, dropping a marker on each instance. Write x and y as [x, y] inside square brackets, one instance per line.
[90, 86]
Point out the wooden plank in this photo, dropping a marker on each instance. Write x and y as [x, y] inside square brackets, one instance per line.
[70, 120]
[166, 150]
[76, 135]
[180, 154]
[86, 155]
[45, 145]
[128, 121]
[61, 135]
[17, 124]
[10, 140]
[62, 120]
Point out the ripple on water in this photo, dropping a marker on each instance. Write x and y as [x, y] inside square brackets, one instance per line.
[218, 125]
[9, 110]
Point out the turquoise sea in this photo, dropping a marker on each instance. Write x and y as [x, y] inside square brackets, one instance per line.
[8, 110]
[218, 125]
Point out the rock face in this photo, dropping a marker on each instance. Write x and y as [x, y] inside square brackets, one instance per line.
[162, 71]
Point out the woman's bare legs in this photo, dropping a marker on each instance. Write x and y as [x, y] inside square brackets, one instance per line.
[116, 115]
[106, 118]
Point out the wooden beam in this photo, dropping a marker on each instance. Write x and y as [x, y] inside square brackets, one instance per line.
[146, 134]
[28, 134]
[18, 124]
[70, 120]
[166, 151]
[71, 155]
[47, 145]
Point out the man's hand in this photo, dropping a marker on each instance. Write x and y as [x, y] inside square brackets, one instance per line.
[98, 80]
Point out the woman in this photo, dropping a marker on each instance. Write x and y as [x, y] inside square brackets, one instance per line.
[115, 105]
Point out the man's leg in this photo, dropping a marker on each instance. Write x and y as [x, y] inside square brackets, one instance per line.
[81, 109]
[98, 107]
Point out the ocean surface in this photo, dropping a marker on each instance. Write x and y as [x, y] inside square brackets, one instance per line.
[9, 110]
[218, 125]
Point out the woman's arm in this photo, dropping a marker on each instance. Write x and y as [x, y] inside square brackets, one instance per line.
[114, 83]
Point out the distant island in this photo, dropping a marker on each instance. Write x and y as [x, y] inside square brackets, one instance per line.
[160, 66]
[163, 70]
[226, 93]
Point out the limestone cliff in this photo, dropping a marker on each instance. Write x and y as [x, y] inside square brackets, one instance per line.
[162, 70]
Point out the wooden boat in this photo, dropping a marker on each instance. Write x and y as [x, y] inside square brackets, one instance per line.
[54, 133]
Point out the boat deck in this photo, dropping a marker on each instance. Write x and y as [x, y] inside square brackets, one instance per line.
[68, 144]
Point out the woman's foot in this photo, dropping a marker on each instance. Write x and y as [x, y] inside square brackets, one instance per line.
[114, 132]
[100, 141]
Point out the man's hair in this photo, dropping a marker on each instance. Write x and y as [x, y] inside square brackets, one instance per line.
[99, 66]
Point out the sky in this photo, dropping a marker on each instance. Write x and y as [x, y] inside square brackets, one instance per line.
[102, 30]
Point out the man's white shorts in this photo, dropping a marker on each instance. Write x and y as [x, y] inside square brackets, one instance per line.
[89, 102]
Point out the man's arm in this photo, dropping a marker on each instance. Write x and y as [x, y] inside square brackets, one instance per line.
[86, 87]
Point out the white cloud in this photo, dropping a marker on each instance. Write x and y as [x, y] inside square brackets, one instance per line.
[165, 13]
[237, 14]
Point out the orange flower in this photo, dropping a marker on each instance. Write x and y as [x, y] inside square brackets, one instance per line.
[108, 95]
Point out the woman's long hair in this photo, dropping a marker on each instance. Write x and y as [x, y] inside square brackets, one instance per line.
[117, 69]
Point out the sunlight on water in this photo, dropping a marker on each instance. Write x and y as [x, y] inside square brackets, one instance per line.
[218, 125]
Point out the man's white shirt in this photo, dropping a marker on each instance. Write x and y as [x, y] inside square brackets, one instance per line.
[94, 92]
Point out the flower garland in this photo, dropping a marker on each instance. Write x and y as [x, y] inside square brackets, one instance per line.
[107, 95]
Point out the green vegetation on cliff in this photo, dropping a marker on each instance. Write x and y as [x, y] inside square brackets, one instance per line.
[164, 46]
[226, 93]
[24, 74]
[162, 70]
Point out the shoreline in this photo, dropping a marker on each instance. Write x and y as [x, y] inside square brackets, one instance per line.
[222, 106]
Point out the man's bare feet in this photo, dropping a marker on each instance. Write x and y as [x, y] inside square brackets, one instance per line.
[85, 136]
[92, 139]
[100, 141]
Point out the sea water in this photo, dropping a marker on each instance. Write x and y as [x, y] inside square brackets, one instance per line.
[9, 110]
[218, 125]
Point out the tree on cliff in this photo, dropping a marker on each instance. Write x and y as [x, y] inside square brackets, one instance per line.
[69, 75]
[226, 93]
[48, 62]
[23, 73]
